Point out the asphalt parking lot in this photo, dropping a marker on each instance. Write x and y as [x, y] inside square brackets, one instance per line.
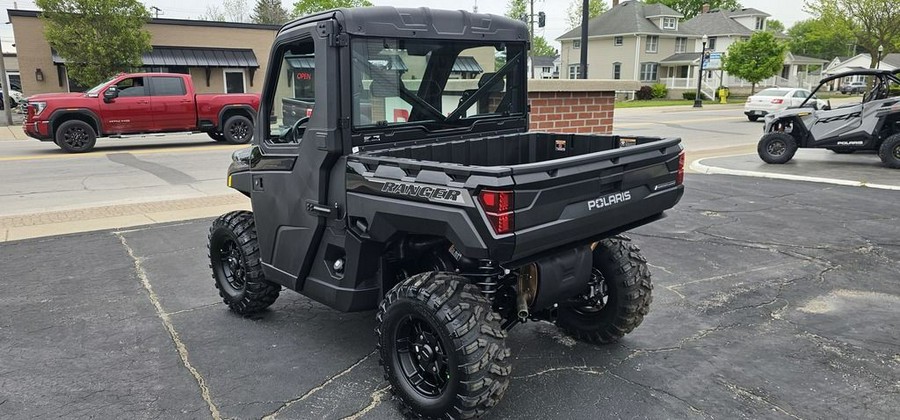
[772, 299]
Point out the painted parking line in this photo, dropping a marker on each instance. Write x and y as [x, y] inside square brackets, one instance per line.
[99, 154]
[698, 166]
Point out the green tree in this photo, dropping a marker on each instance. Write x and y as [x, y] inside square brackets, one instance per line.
[97, 38]
[573, 13]
[817, 38]
[873, 23]
[306, 7]
[542, 48]
[269, 12]
[756, 59]
[691, 8]
[515, 9]
[775, 26]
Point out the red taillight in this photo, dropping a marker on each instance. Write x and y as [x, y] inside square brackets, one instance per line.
[679, 176]
[777, 101]
[308, 112]
[498, 207]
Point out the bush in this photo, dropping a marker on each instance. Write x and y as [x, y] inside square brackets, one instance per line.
[690, 96]
[660, 91]
[644, 94]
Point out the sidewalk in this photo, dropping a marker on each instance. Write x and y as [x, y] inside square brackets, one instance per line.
[12, 132]
[117, 216]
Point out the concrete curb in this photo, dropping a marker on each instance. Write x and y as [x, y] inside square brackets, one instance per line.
[698, 166]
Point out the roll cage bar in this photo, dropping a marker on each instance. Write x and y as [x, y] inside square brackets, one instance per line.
[881, 74]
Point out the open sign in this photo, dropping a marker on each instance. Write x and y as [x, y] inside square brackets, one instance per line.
[304, 76]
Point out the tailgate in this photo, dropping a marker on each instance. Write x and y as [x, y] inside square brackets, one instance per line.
[561, 201]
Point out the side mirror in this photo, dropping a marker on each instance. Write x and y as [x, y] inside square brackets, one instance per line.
[111, 93]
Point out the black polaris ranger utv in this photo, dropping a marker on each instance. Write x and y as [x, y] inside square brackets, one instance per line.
[412, 186]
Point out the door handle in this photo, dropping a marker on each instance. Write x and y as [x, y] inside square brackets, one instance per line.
[143, 102]
[185, 101]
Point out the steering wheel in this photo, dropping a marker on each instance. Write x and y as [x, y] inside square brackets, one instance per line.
[295, 129]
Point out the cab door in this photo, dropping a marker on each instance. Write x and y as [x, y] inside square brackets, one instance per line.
[290, 180]
[129, 112]
[171, 104]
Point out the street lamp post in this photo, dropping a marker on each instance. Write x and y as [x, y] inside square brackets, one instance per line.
[698, 102]
[880, 51]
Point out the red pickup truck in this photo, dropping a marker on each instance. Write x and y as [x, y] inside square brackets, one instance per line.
[139, 103]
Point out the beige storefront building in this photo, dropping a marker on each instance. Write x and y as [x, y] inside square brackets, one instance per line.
[219, 56]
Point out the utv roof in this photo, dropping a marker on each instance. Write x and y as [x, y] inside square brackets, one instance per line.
[422, 22]
[861, 72]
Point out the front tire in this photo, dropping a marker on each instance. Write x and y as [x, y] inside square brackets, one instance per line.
[776, 148]
[75, 136]
[627, 278]
[889, 152]
[753, 118]
[236, 268]
[238, 129]
[442, 347]
[218, 137]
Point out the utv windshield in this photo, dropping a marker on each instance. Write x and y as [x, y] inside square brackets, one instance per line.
[435, 84]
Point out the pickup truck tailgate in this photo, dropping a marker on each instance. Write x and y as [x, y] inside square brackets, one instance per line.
[561, 201]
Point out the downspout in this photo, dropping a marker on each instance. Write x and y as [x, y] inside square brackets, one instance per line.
[637, 57]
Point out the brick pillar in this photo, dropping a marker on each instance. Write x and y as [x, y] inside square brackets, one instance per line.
[572, 112]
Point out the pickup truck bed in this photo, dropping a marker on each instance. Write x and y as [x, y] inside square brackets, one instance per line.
[567, 188]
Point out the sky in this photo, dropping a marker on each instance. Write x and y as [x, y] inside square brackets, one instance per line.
[787, 11]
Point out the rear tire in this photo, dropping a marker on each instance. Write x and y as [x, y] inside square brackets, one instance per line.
[238, 129]
[629, 287]
[75, 136]
[776, 148]
[442, 347]
[753, 118]
[218, 137]
[889, 152]
[236, 268]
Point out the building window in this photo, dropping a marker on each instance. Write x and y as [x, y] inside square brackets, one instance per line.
[680, 45]
[576, 44]
[711, 45]
[617, 41]
[670, 23]
[760, 23]
[617, 71]
[574, 71]
[648, 72]
[234, 81]
[652, 43]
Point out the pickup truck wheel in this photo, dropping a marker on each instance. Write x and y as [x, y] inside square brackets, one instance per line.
[442, 347]
[238, 130]
[75, 136]
[627, 279]
[236, 269]
[776, 148]
[889, 152]
[219, 137]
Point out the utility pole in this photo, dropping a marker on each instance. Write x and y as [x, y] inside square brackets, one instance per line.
[6, 110]
[531, 35]
[156, 10]
[585, 16]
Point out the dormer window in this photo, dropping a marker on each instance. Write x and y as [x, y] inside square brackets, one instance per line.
[669, 23]
[760, 23]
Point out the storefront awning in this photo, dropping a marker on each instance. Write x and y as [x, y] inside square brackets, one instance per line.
[467, 64]
[192, 57]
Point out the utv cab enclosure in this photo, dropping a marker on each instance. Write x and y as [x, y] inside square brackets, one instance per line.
[872, 124]
[393, 169]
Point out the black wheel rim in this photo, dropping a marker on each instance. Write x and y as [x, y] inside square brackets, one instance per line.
[76, 137]
[239, 130]
[775, 148]
[897, 151]
[601, 295]
[232, 265]
[422, 356]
